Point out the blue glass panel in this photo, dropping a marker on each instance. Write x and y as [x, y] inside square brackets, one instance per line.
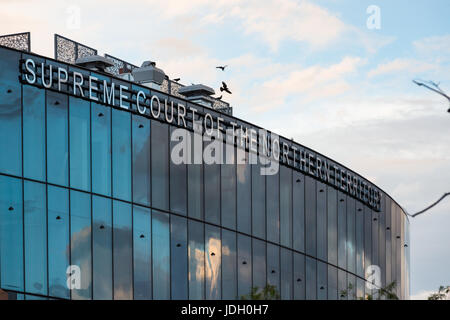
[259, 263]
[196, 254]
[244, 195]
[57, 139]
[80, 238]
[101, 149]
[351, 235]
[34, 166]
[332, 283]
[58, 241]
[160, 165]
[212, 193]
[299, 276]
[310, 217]
[322, 287]
[35, 218]
[342, 285]
[228, 190]
[213, 270]
[141, 160]
[229, 262]
[286, 206]
[273, 266]
[142, 245]
[258, 202]
[360, 240]
[195, 191]
[332, 226]
[161, 255]
[122, 252]
[244, 265]
[321, 222]
[10, 114]
[298, 211]
[178, 176]
[102, 248]
[179, 259]
[80, 146]
[286, 289]
[273, 207]
[121, 154]
[11, 234]
[342, 230]
[311, 279]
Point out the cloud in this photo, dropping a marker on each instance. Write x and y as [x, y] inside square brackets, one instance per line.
[422, 295]
[402, 65]
[433, 45]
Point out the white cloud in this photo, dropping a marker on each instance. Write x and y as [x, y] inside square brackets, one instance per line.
[402, 65]
[433, 45]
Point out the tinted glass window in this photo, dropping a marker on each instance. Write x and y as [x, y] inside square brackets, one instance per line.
[10, 114]
[160, 165]
[196, 260]
[102, 248]
[229, 263]
[286, 206]
[58, 241]
[121, 154]
[178, 173]
[179, 260]
[142, 245]
[101, 149]
[332, 225]
[213, 269]
[322, 223]
[80, 147]
[35, 218]
[11, 235]
[273, 266]
[273, 207]
[244, 265]
[57, 139]
[34, 133]
[298, 212]
[161, 255]
[259, 263]
[342, 231]
[258, 202]
[244, 189]
[123, 255]
[311, 279]
[228, 192]
[141, 160]
[299, 276]
[286, 274]
[80, 238]
[310, 216]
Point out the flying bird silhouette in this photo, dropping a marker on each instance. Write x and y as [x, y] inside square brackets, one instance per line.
[222, 67]
[219, 98]
[225, 88]
[176, 79]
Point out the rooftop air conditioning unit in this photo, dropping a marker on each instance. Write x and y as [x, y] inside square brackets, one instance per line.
[198, 93]
[149, 75]
[94, 62]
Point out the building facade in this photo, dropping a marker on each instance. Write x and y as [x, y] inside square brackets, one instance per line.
[92, 205]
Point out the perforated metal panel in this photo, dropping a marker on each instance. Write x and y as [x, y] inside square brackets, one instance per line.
[118, 64]
[19, 41]
[69, 51]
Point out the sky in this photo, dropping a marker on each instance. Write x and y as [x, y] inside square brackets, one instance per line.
[323, 72]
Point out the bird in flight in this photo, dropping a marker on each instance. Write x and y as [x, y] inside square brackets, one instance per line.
[219, 98]
[225, 88]
[222, 67]
[176, 79]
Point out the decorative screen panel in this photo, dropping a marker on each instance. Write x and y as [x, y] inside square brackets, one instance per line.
[19, 41]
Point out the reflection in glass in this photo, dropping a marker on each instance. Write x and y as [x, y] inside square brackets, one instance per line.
[322, 281]
[80, 148]
[160, 165]
[196, 261]
[299, 276]
[178, 177]
[10, 114]
[122, 253]
[244, 189]
[342, 230]
[142, 246]
[258, 202]
[286, 206]
[332, 226]
[101, 149]
[34, 133]
[272, 207]
[321, 223]
[244, 265]
[298, 211]
[161, 255]
[311, 279]
[35, 219]
[58, 241]
[179, 261]
[228, 190]
[102, 248]
[286, 291]
[229, 260]
[121, 154]
[310, 216]
[259, 263]
[332, 283]
[273, 266]
[11, 233]
[351, 235]
[141, 160]
[213, 259]
[57, 138]
[80, 238]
